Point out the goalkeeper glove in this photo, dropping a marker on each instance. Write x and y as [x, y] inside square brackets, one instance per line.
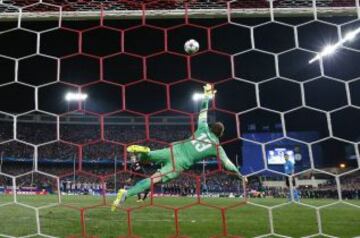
[209, 91]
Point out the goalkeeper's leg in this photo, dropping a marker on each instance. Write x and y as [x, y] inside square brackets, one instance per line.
[156, 156]
[138, 188]
[165, 174]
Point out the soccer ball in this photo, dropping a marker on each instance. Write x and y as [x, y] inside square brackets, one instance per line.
[191, 46]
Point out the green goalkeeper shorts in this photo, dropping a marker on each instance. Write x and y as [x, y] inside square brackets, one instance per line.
[171, 168]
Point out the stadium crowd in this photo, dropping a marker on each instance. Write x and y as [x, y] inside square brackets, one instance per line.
[61, 159]
[82, 134]
[221, 184]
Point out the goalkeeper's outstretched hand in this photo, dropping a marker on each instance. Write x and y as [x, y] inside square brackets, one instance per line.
[209, 90]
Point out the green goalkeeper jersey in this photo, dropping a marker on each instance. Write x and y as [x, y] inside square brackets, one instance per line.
[204, 144]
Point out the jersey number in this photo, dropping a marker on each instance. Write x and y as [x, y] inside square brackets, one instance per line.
[201, 143]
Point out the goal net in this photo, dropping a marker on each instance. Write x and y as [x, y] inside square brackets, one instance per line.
[63, 156]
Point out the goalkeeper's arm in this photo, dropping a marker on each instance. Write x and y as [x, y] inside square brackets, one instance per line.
[209, 93]
[226, 162]
[202, 120]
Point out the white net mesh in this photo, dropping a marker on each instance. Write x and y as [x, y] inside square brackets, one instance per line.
[281, 62]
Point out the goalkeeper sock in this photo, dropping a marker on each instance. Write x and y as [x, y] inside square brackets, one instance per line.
[139, 187]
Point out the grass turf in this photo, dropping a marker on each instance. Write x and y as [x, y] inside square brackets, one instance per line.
[197, 221]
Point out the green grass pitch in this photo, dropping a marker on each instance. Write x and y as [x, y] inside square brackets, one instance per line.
[198, 221]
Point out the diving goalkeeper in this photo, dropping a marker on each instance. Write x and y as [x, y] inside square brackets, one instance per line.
[186, 153]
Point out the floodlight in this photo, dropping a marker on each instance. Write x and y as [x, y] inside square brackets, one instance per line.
[70, 96]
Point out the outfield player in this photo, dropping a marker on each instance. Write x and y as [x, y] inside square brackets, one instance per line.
[136, 167]
[289, 169]
[184, 154]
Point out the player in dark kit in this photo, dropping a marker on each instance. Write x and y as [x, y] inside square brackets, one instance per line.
[137, 168]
